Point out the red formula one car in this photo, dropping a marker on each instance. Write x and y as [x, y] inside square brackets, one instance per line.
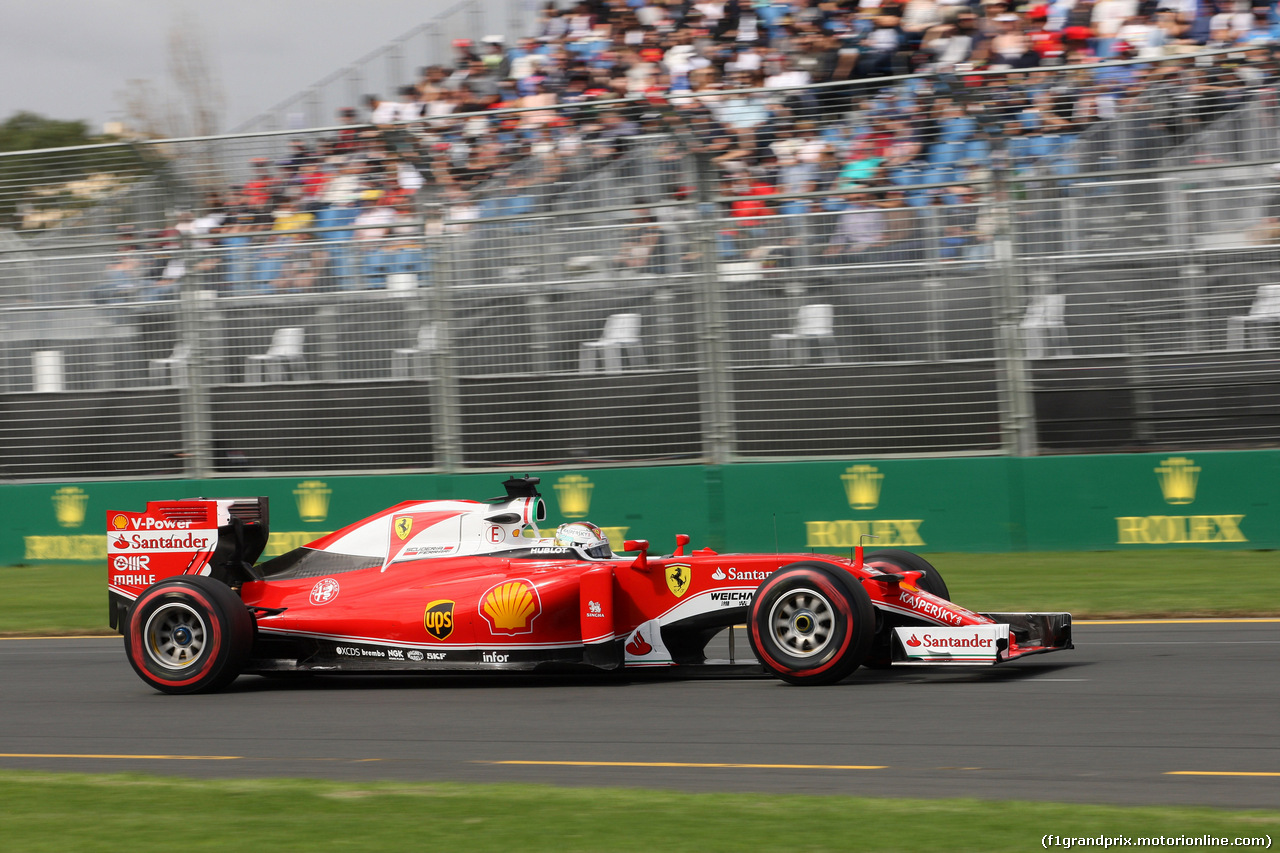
[452, 585]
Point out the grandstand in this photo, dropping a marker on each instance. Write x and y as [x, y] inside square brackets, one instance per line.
[615, 242]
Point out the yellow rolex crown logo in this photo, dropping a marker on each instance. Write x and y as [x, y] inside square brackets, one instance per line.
[574, 492]
[68, 506]
[862, 486]
[1178, 478]
[312, 497]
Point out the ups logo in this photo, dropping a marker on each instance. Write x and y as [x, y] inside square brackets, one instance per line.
[438, 619]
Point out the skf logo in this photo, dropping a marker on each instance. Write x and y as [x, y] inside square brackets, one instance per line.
[402, 526]
[510, 607]
[574, 492]
[324, 591]
[862, 486]
[679, 576]
[1178, 478]
[68, 506]
[438, 619]
[312, 497]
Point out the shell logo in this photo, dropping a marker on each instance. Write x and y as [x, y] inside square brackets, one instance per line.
[119, 521]
[510, 607]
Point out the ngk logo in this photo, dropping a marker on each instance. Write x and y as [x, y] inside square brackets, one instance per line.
[122, 563]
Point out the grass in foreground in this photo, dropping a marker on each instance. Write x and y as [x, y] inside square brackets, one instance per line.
[71, 598]
[58, 812]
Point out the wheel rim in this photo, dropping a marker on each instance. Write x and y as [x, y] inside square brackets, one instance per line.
[175, 636]
[803, 622]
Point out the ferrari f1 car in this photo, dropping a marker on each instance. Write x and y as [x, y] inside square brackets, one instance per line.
[455, 585]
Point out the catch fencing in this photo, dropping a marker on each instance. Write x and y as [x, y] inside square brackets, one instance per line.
[1015, 264]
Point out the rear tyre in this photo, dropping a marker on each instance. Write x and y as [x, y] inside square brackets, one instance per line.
[188, 634]
[896, 560]
[810, 623]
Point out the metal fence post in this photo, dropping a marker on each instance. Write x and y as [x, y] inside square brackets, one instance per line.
[714, 383]
[195, 411]
[448, 423]
[1018, 418]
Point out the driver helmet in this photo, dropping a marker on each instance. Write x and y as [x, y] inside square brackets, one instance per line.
[586, 537]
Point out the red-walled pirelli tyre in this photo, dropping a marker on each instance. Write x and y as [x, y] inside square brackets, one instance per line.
[188, 634]
[894, 559]
[811, 623]
[931, 582]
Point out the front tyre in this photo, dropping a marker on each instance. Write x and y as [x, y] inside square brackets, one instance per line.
[188, 634]
[811, 624]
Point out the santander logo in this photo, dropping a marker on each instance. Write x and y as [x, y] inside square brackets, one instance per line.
[913, 641]
[638, 645]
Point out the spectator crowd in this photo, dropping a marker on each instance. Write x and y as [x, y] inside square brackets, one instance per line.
[783, 101]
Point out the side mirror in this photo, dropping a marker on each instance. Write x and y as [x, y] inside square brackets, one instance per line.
[641, 563]
[682, 539]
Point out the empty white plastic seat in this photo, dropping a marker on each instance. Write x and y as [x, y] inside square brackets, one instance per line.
[169, 370]
[1044, 327]
[814, 326]
[47, 371]
[284, 352]
[409, 362]
[1256, 329]
[621, 336]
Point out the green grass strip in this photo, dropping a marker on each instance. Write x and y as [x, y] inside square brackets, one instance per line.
[60, 812]
[72, 598]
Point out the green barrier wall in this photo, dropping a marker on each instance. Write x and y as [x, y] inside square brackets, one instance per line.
[1224, 499]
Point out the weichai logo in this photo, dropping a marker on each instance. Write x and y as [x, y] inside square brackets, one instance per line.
[438, 619]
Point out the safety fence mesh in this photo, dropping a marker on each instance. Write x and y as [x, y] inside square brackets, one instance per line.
[1058, 260]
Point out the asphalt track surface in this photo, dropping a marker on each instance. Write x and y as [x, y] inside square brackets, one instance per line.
[1133, 715]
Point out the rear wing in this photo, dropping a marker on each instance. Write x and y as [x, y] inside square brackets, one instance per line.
[218, 537]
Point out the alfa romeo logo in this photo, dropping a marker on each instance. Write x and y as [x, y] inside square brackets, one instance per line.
[324, 591]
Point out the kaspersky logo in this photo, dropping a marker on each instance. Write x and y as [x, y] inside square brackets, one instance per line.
[862, 486]
[1178, 477]
[68, 506]
[574, 493]
[312, 497]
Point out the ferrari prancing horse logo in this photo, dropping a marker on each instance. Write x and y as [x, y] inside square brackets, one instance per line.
[403, 525]
[678, 577]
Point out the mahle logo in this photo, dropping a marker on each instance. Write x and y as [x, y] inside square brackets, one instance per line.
[1178, 479]
[312, 497]
[68, 506]
[574, 492]
[862, 486]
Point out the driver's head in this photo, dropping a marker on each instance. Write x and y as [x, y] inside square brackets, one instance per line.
[585, 536]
